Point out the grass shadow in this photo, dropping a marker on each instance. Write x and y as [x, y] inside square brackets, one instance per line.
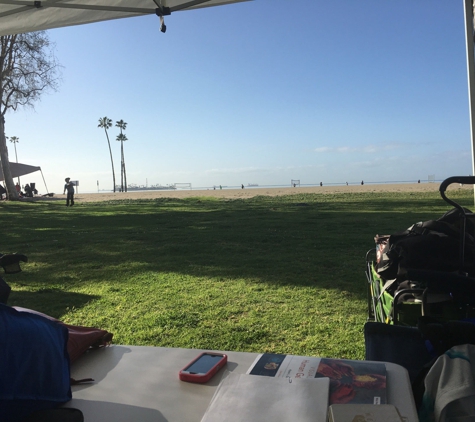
[303, 240]
[54, 302]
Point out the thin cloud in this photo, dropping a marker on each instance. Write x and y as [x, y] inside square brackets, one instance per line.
[367, 149]
[261, 170]
[236, 170]
[323, 149]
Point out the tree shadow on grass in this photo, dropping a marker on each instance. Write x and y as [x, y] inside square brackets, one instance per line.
[313, 241]
[58, 301]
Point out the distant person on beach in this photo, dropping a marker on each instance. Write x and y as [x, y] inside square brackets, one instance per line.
[69, 186]
[362, 183]
[242, 186]
[321, 184]
[346, 183]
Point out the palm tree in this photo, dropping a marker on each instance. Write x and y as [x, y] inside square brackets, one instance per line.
[15, 140]
[106, 123]
[121, 137]
[123, 177]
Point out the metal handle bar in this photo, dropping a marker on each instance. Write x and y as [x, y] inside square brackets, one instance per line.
[468, 180]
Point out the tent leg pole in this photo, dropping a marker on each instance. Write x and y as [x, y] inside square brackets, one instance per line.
[44, 181]
[469, 34]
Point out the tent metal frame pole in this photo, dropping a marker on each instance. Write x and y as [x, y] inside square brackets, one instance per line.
[44, 181]
[29, 5]
[469, 35]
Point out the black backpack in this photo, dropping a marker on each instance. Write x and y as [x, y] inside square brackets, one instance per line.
[431, 245]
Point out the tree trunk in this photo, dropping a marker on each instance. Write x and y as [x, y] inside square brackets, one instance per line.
[112, 161]
[12, 194]
[122, 166]
[125, 177]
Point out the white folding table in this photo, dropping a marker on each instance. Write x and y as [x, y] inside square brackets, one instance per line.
[140, 384]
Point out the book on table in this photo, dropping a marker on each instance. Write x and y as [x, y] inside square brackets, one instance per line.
[363, 412]
[351, 381]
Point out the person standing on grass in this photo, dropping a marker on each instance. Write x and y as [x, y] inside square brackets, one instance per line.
[69, 186]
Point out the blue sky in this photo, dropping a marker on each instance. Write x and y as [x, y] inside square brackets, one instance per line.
[258, 92]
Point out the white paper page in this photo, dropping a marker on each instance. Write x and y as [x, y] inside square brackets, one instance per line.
[246, 398]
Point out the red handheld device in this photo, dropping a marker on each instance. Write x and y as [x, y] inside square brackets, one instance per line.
[203, 367]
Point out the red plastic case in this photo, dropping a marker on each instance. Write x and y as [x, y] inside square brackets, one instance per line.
[203, 367]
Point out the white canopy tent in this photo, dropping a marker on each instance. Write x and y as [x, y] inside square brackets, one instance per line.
[19, 16]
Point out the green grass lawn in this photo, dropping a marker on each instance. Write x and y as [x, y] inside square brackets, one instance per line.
[267, 274]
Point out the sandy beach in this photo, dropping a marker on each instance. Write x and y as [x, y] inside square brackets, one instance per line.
[251, 192]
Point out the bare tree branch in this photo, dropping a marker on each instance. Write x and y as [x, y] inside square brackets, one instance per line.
[28, 68]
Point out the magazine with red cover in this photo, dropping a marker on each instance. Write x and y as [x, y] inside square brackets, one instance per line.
[351, 381]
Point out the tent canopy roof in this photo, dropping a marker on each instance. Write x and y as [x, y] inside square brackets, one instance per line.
[20, 16]
[19, 170]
